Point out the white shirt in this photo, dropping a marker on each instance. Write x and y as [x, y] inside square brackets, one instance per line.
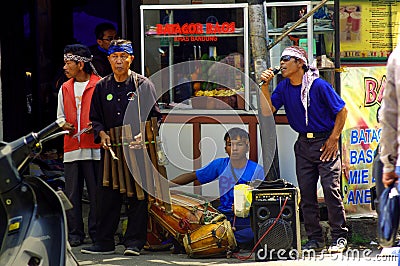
[80, 154]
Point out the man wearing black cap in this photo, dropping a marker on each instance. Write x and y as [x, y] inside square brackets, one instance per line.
[105, 32]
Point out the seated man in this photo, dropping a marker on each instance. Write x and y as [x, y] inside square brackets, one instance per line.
[232, 170]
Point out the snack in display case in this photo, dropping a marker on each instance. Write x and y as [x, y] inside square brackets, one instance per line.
[221, 98]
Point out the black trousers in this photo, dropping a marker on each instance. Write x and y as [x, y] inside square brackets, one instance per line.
[309, 168]
[76, 173]
[109, 204]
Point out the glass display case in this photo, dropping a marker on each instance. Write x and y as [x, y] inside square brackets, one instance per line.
[180, 43]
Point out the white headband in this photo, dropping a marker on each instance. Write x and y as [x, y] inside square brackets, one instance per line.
[77, 58]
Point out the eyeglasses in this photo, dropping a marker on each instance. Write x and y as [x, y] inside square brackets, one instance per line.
[286, 58]
[110, 38]
[115, 57]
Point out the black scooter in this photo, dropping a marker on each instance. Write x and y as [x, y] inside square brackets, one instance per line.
[33, 228]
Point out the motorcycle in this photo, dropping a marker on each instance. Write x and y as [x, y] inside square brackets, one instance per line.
[33, 228]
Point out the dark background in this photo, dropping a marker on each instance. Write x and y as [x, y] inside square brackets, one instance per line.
[33, 36]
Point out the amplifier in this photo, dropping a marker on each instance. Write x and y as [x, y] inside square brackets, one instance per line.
[278, 235]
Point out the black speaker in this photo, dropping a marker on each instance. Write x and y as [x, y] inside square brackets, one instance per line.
[278, 238]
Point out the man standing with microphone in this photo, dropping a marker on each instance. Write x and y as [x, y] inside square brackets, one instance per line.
[318, 114]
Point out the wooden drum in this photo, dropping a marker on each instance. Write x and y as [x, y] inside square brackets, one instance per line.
[216, 239]
[188, 214]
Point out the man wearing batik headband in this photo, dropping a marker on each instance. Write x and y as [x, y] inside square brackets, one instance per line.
[81, 154]
[318, 114]
[110, 101]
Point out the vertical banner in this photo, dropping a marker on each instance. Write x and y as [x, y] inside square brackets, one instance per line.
[362, 89]
[368, 29]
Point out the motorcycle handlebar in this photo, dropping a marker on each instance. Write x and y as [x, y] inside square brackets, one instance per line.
[14, 156]
[50, 129]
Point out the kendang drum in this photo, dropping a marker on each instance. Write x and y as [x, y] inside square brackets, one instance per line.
[211, 240]
[189, 212]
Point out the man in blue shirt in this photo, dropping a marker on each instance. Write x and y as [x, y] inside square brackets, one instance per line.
[318, 114]
[230, 171]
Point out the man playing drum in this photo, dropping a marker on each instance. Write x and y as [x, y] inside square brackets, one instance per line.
[230, 171]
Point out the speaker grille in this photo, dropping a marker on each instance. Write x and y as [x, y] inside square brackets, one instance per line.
[267, 211]
[280, 235]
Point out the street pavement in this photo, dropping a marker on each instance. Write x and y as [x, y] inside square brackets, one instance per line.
[352, 257]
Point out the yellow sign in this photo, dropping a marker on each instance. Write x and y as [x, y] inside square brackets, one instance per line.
[368, 28]
[361, 89]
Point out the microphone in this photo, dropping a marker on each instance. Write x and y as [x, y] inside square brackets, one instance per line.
[275, 71]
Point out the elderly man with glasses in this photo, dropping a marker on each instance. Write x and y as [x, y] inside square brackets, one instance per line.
[318, 114]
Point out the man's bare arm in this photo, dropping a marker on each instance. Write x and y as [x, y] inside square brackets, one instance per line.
[267, 109]
[184, 179]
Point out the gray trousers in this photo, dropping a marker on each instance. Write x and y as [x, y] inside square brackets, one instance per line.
[308, 170]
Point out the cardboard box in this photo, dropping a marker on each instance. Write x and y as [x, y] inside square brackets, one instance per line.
[150, 2]
[167, 2]
[175, 2]
[303, 43]
[186, 2]
[213, 1]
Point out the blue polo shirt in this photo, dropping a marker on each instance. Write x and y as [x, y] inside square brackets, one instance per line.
[221, 168]
[325, 103]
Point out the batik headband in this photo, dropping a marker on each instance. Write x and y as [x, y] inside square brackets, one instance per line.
[308, 78]
[76, 58]
[127, 48]
[293, 51]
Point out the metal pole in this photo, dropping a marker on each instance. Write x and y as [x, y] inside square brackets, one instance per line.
[336, 21]
[171, 59]
[123, 19]
[258, 42]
